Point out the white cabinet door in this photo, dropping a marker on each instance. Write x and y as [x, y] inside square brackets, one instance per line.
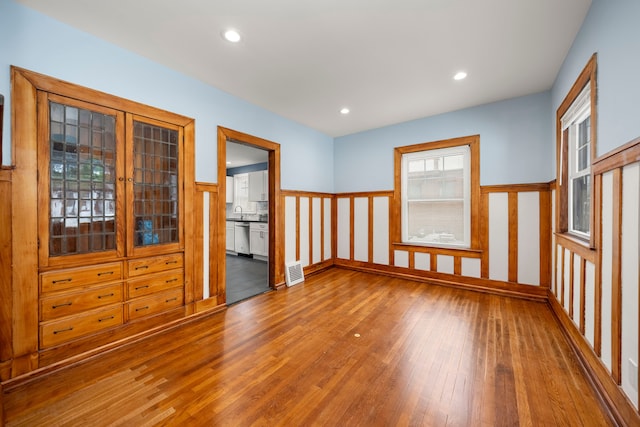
[231, 243]
[259, 237]
[258, 186]
[229, 189]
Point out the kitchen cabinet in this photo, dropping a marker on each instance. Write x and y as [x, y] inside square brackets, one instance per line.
[259, 186]
[229, 195]
[231, 240]
[259, 239]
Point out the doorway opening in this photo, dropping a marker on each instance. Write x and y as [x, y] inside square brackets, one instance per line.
[248, 193]
[247, 225]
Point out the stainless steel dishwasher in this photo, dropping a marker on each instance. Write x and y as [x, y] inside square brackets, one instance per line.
[242, 237]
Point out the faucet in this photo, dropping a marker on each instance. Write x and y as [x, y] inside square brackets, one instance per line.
[236, 208]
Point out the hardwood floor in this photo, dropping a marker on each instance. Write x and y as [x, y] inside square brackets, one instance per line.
[344, 348]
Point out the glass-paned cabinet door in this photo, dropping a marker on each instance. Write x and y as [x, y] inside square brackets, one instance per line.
[80, 160]
[156, 184]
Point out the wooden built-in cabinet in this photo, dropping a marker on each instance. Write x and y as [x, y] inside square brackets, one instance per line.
[75, 302]
[156, 285]
[113, 199]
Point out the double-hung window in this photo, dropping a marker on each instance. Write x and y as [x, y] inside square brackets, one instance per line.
[576, 148]
[576, 127]
[436, 192]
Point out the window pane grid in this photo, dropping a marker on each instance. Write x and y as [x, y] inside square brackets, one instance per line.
[82, 181]
[155, 184]
[435, 205]
[579, 204]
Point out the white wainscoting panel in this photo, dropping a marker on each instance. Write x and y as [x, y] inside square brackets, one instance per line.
[499, 236]
[361, 229]
[590, 303]
[304, 231]
[445, 264]
[471, 267]
[328, 233]
[629, 276]
[344, 228]
[381, 230]
[567, 282]
[553, 283]
[606, 267]
[205, 244]
[401, 258]
[316, 231]
[529, 238]
[558, 269]
[422, 261]
[290, 229]
[576, 289]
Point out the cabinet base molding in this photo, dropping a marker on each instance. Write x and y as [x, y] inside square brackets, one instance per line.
[23, 364]
[78, 358]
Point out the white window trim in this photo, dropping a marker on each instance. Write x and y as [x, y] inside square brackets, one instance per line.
[579, 110]
[464, 150]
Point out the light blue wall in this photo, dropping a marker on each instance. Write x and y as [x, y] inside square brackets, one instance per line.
[517, 135]
[33, 41]
[514, 144]
[611, 30]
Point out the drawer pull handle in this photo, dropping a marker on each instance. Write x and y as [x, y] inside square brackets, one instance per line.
[63, 330]
[171, 299]
[146, 307]
[172, 280]
[141, 267]
[61, 280]
[105, 273]
[104, 319]
[141, 287]
[105, 296]
[61, 305]
[171, 262]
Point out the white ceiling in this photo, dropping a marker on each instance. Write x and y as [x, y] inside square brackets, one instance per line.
[389, 61]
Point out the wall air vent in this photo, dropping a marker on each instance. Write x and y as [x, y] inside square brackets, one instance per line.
[294, 273]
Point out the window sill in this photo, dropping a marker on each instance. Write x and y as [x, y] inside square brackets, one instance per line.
[576, 245]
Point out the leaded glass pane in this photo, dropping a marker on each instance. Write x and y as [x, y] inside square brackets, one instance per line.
[80, 220]
[155, 184]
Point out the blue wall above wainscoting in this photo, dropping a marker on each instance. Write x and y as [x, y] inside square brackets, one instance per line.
[517, 136]
[31, 40]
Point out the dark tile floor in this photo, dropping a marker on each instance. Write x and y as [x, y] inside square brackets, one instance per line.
[246, 277]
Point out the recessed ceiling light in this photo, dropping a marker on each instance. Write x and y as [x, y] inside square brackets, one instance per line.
[231, 35]
[228, 163]
[344, 110]
[460, 75]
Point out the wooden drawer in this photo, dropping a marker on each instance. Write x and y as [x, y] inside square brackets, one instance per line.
[64, 279]
[63, 330]
[155, 303]
[60, 305]
[155, 283]
[138, 267]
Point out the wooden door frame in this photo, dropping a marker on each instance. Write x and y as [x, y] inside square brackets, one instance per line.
[276, 212]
